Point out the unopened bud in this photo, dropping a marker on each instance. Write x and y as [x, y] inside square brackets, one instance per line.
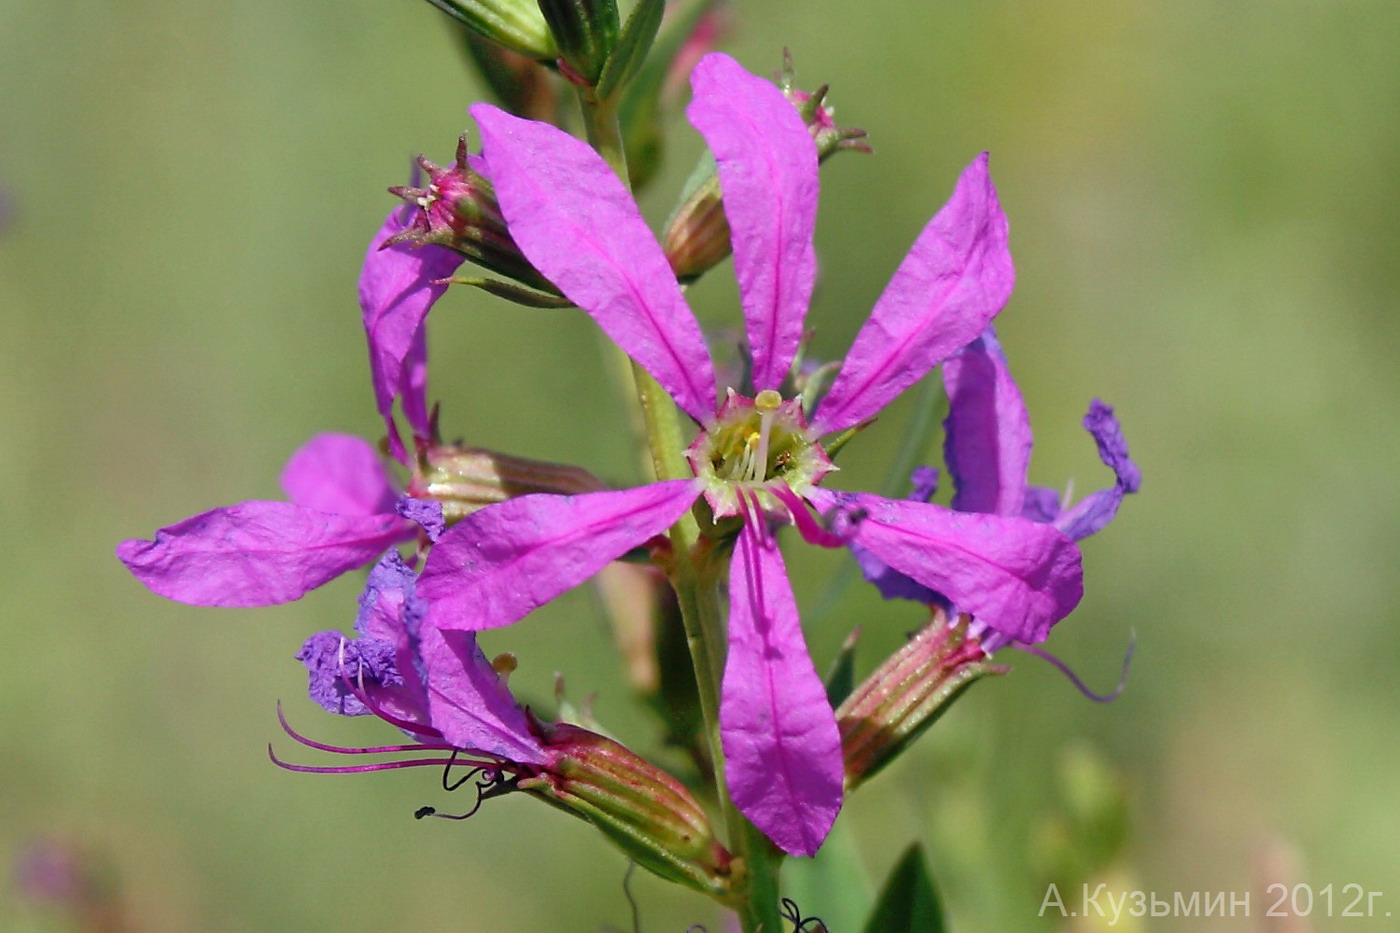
[820, 116]
[515, 24]
[907, 693]
[644, 811]
[457, 208]
[697, 236]
[584, 31]
[465, 479]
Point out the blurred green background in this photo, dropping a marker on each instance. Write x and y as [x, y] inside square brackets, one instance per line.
[1204, 200]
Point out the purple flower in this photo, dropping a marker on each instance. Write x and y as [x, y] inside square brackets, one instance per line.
[756, 459]
[988, 449]
[342, 515]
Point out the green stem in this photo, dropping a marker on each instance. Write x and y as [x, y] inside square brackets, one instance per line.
[697, 573]
[604, 133]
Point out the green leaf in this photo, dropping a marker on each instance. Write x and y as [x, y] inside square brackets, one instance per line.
[632, 47]
[909, 903]
[841, 680]
[516, 293]
[832, 885]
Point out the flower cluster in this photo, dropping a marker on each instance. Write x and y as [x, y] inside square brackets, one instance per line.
[495, 536]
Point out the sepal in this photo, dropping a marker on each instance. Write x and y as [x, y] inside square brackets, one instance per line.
[515, 24]
[467, 479]
[820, 116]
[457, 209]
[585, 32]
[906, 694]
[641, 809]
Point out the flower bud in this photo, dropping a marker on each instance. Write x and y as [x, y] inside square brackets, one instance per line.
[465, 479]
[697, 236]
[820, 117]
[644, 811]
[515, 24]
[585, 32]
[458, 209]
[907, 693]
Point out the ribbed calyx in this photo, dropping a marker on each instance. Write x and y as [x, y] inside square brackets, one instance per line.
[907, 693]
[644, 811]
[465, 479]
[457, 208]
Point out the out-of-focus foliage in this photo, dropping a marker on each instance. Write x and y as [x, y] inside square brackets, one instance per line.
[1204, 206]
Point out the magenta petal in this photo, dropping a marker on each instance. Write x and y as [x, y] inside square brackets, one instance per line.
[782, 749]
[576, 223]
[257, 553]
[468, 703]
[496, 565]
[339, 473]
[1016, 576]
[987, 432]
[396, 291]
[768, 174]
[954, 280]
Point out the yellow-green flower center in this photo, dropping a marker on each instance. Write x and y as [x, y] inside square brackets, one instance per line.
[753, 443]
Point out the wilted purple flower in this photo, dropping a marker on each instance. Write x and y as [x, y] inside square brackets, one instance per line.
[342, 515]
[988, 447]
[436, 685]
[399, 283]
[439, 688]
[756, 459]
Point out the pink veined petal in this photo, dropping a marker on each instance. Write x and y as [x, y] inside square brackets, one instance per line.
[987, 434]
[257, 553]
[339, 473]
[782, 749]
[468, 703]
[576, 223]
[396, 292]
[1014, 575]
[496, 565]
[768, 173]
[956, 277]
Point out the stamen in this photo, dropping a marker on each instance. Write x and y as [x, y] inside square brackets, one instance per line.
[807, 526]
[1079, 684]
[340, 750]
[422, 812]
[492, 783]
[793, 915]
[447, 770]
[355, 769]
[754, 517]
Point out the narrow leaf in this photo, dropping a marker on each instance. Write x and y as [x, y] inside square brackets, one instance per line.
[841, 679]
[515, 293]
[909, 902]
[632, 47]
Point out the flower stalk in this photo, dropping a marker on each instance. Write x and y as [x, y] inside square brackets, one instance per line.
[696, 572]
